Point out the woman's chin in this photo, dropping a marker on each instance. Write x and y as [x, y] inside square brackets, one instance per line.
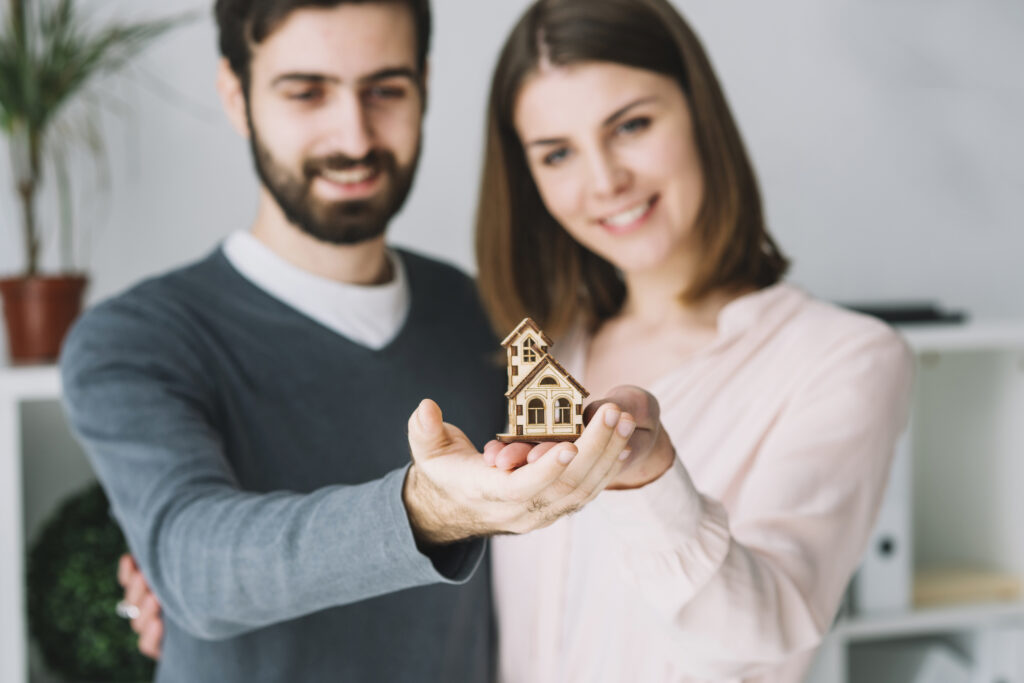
[636, 261]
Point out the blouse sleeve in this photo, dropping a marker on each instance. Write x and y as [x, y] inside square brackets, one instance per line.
[747, 590]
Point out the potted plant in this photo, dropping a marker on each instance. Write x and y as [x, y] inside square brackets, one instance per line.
[48, 56]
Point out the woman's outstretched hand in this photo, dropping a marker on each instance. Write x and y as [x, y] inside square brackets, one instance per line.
[651, 451]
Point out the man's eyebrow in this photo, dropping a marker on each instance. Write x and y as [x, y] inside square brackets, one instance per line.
[617, 114]
[392, 72]
[381, 75]
[303, 78]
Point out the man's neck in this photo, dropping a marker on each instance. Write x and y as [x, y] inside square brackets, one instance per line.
[365, 263]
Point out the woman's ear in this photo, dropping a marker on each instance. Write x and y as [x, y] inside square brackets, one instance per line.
[232, 97]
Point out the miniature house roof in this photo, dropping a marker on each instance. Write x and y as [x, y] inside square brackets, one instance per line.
[527, 323]
[545, 361]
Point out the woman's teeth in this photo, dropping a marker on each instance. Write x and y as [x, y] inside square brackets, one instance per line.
[623, 219]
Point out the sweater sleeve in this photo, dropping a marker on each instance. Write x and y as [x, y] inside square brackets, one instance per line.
[223, 561]
[741, 591]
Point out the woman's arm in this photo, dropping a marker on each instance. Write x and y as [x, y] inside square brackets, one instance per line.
[761, 584]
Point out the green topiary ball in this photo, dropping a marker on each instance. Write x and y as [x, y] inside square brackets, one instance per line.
[72, 593]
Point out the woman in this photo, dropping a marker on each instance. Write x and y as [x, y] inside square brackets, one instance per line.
[619, 210]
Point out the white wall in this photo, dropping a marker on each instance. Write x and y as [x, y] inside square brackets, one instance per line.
[888, 136]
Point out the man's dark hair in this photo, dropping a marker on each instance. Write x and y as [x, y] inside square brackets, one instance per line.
[244, 23]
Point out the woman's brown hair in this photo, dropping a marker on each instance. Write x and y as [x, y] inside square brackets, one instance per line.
[528, 264]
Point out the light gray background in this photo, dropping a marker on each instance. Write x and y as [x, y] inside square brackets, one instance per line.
[888, 135]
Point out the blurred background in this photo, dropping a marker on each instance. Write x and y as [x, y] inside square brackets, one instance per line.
[887, 135]
[889, 140]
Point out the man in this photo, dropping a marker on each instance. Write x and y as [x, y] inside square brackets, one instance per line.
[245, 414]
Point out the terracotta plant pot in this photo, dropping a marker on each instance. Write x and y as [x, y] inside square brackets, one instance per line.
[39, 311]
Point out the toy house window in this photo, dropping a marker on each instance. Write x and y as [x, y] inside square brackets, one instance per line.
[529, 353]
[563, 412]
[549, 381]
[535, 412]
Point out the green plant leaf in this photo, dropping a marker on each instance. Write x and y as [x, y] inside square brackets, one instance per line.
[49, 54]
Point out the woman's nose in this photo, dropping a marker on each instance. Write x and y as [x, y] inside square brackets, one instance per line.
[608, 176]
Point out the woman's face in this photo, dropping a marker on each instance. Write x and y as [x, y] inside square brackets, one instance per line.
[612, 151]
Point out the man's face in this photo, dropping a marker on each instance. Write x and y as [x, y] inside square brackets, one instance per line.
[335, 107]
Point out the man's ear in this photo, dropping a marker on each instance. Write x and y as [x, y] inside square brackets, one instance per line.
[232, 96]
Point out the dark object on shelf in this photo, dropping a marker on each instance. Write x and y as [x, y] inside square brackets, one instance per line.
[909, 313]
[72, 592]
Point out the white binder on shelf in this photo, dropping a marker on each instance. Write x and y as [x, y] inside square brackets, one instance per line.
[885, 580]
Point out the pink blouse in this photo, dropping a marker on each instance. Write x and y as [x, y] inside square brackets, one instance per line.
[731, 566]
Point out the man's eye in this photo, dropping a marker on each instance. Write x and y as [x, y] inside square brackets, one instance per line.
[382, 92]
[310, 95]
[634, 125]
[556, 157]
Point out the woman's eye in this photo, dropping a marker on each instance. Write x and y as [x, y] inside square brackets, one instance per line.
[556, 157]
[634, 125]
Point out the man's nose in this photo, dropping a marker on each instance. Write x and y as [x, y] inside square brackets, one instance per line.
[351, 127]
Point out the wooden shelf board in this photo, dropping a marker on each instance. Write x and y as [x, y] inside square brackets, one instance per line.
[926, 621]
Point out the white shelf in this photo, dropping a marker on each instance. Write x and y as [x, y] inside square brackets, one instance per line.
[928, 621]
[982, 335]
[29, 383]
[17, 385]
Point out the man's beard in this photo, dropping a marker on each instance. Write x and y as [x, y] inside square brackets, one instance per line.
[337, 222]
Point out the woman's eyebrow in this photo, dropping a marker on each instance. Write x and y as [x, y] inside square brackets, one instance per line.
[619, 113]
[616, 115]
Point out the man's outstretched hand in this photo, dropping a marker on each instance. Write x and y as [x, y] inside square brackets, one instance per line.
[451, 493]
[651, 451]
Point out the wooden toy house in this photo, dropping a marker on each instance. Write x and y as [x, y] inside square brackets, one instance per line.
[545, 402]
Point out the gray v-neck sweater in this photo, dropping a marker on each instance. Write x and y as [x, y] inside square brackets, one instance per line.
[255, 460]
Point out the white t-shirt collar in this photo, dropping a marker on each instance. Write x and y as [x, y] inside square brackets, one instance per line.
[371, 316]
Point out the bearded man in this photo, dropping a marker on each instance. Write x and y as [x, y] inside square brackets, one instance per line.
[247, 414]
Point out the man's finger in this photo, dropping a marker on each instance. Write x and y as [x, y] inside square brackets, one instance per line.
[526, 482]
[427, 434]
[583, 483]
[596, 445]
[538, 451]
[125, 569]
[149, 609]
[151, 639]
[596, 487]
[555, 465]
[136, 590]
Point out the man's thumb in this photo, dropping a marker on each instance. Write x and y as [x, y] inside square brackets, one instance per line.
[426, 430]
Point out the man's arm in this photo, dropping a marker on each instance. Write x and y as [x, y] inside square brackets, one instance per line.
[223, 561]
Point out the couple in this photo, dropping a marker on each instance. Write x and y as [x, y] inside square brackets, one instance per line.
[246, 414]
